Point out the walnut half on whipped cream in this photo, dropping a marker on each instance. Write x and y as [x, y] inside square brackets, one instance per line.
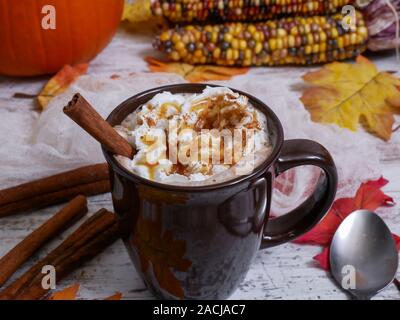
[191, 138]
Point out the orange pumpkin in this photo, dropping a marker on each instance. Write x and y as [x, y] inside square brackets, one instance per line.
[82, 29]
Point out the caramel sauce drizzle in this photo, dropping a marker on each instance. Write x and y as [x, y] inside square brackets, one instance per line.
[162, 112]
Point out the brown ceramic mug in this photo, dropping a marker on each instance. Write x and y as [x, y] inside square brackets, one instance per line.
[198, 242]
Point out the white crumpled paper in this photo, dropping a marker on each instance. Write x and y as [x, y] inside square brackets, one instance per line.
[36, 145]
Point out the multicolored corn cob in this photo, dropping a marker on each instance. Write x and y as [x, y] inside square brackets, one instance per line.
[310, 40]
[241, 10]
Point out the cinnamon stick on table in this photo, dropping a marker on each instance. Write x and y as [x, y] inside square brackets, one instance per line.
[73, 211]
[88, 180]
[94, 235]
[79, 176]
[79, 110]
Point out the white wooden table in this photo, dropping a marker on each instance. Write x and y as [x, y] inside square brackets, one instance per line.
[284, 272]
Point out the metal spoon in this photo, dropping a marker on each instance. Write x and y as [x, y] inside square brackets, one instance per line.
[363, 254]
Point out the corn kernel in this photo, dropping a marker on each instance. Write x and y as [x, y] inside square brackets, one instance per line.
[291, 41]
[242, 44]
[175, 56]
[198, 53]
[235, 54]
[179, 46]
[294, 31]
[247, 54]
[251, 29]
[216, 53]
[340, 43]
[175, 38]
[164, 36]
[229, 54]
[272, 44]
[335, 33]
[235, 44]
[214, 37]
[258, 48]
[228, 37]
[281, 33]
[322, 37]
[247, 62]
[310, 39]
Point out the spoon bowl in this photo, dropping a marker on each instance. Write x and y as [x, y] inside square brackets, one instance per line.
[363, 254]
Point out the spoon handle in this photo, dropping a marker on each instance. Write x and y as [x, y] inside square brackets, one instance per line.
[362, 297]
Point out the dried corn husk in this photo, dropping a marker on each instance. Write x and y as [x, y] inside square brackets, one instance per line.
[382, 20]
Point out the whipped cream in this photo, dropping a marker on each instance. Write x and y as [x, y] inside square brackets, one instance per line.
[195, 138]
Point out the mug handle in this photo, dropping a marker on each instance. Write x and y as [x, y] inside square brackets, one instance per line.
[296, 153]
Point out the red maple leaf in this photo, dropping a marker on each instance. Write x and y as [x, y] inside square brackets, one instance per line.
[323, 259]
[368, 196]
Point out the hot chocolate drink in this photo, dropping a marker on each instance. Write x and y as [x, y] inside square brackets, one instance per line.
[195, 139]
[180, 196]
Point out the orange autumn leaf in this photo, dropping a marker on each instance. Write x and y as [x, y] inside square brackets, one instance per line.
[71, 292]
[158, 248]
[192, 73]
[68, 293]
[116, 296]
[351, 94]
[60, 82]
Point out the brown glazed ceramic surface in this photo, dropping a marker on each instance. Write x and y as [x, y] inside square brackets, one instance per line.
[199, 242]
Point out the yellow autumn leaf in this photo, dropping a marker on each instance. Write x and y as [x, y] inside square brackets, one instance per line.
[351, 94]
[195, 73]
[68, 293]
[60, 82]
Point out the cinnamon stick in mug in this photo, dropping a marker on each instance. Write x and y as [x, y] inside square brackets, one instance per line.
[73, 211]
[79, 110]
